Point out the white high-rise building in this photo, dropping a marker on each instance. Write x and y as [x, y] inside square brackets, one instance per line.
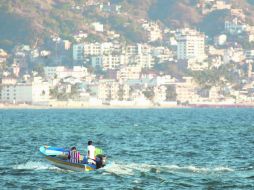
[190, 45]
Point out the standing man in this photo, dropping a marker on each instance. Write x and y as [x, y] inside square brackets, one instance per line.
[91, 153]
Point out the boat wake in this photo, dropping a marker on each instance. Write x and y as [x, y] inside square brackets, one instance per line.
[195, 169]
[132, 168]
[32, 165]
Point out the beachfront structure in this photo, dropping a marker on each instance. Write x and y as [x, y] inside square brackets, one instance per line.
[214, 94]
[62, 72]
[35, 92]
[186, 92]
[160, 94]
[108, 90]
[124, 92]
[190, 45]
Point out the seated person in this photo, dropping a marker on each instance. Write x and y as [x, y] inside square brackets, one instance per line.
[74, 155]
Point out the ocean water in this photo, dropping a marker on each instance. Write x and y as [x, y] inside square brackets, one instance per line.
[146, 148]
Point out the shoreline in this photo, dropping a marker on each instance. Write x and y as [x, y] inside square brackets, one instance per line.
[87, 107]
[29, 106]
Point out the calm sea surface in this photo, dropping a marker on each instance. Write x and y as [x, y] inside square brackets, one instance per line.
[147, 149]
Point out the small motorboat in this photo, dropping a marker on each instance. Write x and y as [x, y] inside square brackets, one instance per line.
[59, 158]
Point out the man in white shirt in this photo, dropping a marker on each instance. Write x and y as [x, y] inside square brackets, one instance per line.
[91, 153]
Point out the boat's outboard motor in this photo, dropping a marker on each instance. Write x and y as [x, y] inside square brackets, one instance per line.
[100, 161]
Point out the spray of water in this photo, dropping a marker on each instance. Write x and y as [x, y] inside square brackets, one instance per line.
[33, 165]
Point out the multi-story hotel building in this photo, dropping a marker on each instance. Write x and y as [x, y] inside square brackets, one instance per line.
[35, 92]
[190, 45]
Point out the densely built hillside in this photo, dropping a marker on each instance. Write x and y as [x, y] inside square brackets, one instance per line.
[30, 22]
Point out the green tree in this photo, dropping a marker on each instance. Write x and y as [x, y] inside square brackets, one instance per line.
[53, 92]
[39, 68]
[212, 77]
[171, 93]
[120, 93]
[74, 91]
[149, 93]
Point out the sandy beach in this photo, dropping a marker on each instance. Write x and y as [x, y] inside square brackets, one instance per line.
[26, 106]
[104, 106]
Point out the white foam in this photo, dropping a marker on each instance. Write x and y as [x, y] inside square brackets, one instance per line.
[129, 169]
[223, 169]
[31, 165]
[190, 168]
[119, 169]
[196, 169]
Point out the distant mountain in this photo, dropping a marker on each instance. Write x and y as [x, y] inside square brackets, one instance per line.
[30, 22]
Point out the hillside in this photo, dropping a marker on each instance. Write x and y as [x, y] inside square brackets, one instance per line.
[24, 22]
[33, 21]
